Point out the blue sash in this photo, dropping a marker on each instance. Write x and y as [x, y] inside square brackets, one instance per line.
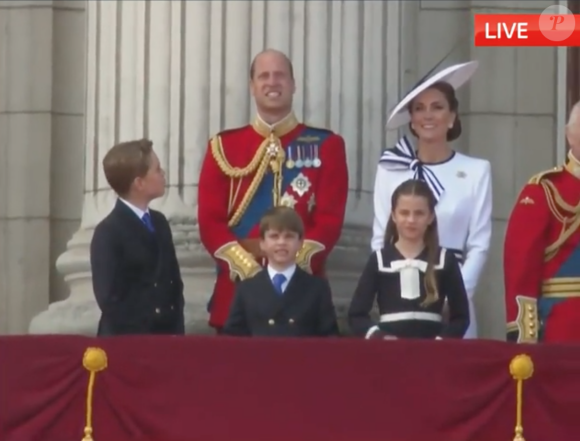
[262, 200]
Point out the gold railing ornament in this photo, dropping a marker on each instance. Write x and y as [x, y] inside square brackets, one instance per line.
[94, 360]
[521, 368]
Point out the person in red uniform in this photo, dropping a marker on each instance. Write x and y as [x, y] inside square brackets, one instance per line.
[273, 161]
[542, 253]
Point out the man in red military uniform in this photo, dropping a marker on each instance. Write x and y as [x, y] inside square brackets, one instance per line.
[274, 161]
[542, 253]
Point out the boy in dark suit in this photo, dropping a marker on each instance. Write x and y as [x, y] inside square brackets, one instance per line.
[282, 300]
[136, 276]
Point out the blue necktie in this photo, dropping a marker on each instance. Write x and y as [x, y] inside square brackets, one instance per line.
[146, 219]
[278, 280]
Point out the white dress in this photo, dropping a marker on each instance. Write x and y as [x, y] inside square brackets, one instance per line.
[462, 185]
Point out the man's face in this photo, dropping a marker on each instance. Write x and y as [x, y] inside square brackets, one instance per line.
[272, 85]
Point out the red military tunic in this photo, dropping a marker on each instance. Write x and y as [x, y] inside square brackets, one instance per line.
[238, 184]
[542, 259]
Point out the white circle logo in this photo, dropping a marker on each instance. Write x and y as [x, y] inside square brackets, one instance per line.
[557, 23]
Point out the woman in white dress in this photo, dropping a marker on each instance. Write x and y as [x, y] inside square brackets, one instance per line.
[460, 183]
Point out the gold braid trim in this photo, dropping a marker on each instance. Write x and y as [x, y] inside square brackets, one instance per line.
[217, 151]
[538, 177]
[557, 206]
[270, 154]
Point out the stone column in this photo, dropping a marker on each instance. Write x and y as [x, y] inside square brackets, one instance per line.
[134, 89]
[26, 34]
[177, 72]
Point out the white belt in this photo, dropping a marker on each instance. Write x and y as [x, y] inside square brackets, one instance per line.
[414, 315]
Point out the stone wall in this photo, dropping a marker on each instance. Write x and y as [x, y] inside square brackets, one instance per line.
[41, 114]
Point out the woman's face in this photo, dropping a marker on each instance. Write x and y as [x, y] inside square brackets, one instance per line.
[431, 117]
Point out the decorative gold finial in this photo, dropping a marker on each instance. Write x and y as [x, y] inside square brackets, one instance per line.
[94, 360]
[521, 368]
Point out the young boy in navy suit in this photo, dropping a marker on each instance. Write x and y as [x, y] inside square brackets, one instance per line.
[282, 300]
[136, 277]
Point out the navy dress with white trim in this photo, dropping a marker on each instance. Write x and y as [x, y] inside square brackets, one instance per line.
[397, 285]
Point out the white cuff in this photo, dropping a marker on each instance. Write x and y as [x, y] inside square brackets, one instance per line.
[438, 338]
[371, 331]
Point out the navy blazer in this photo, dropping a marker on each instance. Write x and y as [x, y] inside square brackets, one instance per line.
[136, 277]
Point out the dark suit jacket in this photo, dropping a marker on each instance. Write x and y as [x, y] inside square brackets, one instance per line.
[305, 309]
[136, 276]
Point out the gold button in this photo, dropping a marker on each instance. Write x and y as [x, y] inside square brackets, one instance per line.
[290, 321]
[530, 308]
[157, 310]
[271, 322]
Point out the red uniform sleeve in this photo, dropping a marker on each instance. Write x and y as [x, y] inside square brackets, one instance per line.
[212, 215]
[328, 216]
[525, 242]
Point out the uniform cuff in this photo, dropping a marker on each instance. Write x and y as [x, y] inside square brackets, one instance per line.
[526, 325]
[242, 264]
[308, 250]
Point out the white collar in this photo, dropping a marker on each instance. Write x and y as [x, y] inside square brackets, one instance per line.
[135, 209]
[288, 272]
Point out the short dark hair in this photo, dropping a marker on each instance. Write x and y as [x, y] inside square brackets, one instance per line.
[281, 219]
[449, 92]
[253, 65]
[125, 162]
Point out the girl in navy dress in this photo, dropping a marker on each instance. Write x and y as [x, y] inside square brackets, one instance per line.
[411, 277]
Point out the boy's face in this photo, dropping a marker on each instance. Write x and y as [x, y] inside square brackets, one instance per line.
[281, 247]
[152, 185]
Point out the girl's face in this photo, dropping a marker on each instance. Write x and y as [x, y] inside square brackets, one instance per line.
[431, 117]
[412, 217]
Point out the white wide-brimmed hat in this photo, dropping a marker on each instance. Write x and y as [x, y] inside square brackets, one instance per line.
[456, 76]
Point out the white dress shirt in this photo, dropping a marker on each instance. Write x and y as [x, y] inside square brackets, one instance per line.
[288, 273]
[140, 213]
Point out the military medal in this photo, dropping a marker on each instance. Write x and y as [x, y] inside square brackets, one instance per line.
[300, 185]
[308, 160]
[317, 162]
[288, 200]
[299, 162]
[290, 162]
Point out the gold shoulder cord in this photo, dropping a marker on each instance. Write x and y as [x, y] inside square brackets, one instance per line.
[569, 223]
[270, 153]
